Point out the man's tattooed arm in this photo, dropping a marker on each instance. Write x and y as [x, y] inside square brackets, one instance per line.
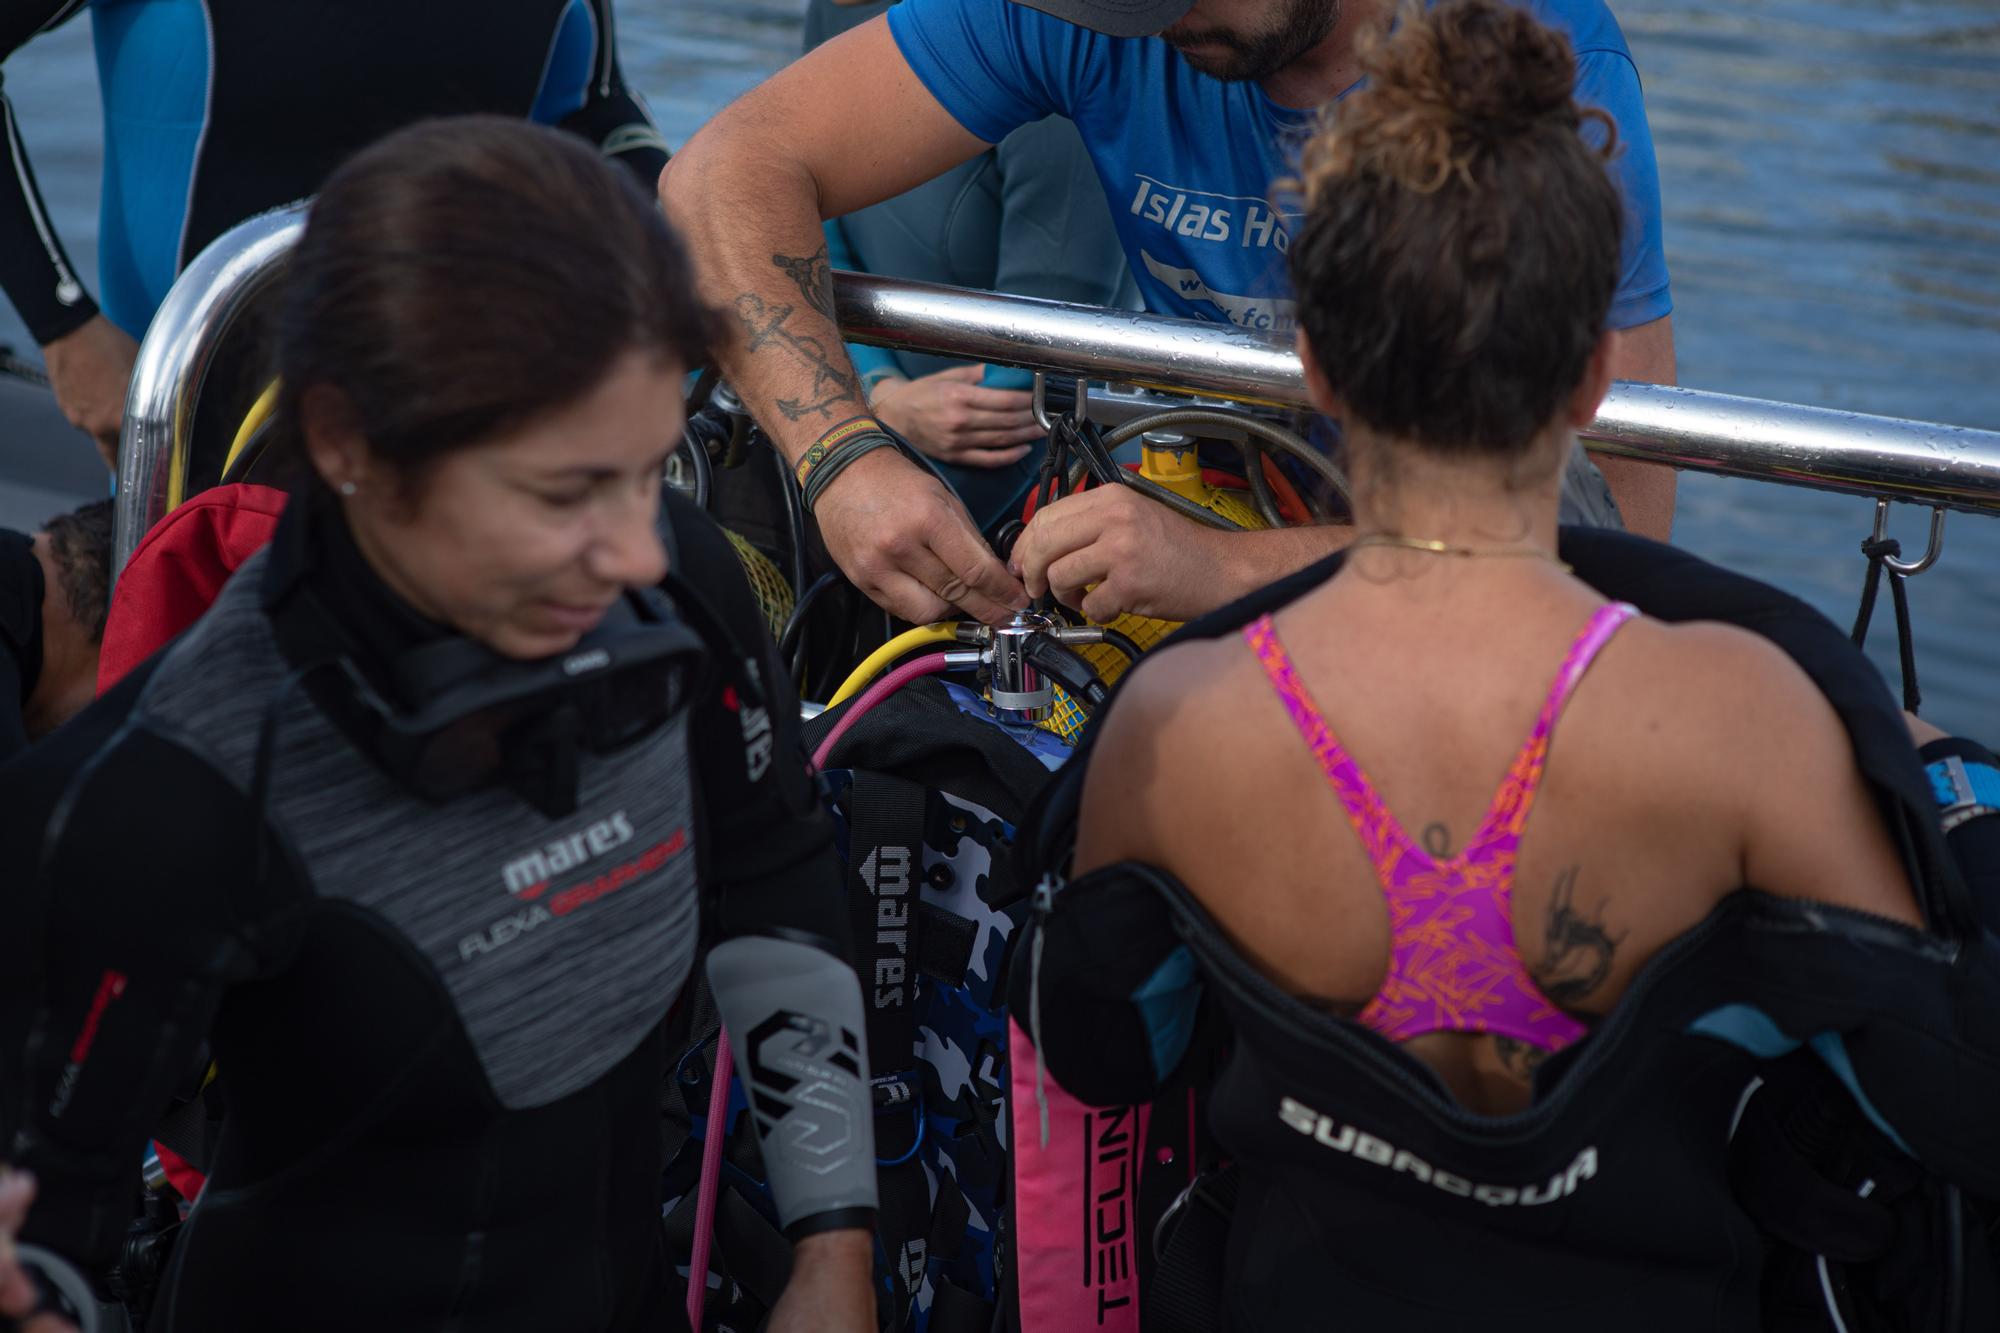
[1576, 949]
[813, 276]
[831, 391]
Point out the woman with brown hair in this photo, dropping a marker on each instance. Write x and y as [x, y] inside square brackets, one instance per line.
[1484, 1067]
[424, 826]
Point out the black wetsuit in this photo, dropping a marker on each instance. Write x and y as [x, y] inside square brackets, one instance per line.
[1370, 1199]
[440, 1029]
[216, 110]
[21, 592]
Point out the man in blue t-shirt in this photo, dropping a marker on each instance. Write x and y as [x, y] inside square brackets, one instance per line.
[1190, 112]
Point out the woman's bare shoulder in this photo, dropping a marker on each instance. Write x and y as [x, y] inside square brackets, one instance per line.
[1162, 741]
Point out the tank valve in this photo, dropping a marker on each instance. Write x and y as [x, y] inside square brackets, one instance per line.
[1018, 691]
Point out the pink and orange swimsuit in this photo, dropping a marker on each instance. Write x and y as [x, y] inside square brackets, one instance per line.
[1453, 964]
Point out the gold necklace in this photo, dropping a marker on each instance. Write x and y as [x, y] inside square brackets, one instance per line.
[1435, 547]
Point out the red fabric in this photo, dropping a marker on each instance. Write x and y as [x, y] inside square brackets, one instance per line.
[184, 1178]
[178, 569]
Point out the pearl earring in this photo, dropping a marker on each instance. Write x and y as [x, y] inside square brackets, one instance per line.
[348, 488]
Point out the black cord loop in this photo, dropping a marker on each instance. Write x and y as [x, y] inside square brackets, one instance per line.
[1879, 551]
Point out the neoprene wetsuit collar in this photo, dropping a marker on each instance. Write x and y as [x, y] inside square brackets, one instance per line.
[313, 549]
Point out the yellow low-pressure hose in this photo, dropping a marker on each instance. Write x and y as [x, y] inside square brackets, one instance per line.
[260, 412]
[945, 631]
[179, 483]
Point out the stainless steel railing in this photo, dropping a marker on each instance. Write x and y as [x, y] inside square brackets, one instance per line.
[1955, 467]
[180, 345]
[1947, 467]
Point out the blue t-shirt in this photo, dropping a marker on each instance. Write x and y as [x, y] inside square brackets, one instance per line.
[1188, 161]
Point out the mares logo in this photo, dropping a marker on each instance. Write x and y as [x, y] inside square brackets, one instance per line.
[516, 924]
[910, 1264]
[527, 876]
[1110, 1176]
[757, 736]
[1324, 1130]
[109, 987]
[886, 872]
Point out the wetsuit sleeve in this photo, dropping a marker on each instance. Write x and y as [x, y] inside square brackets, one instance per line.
[611, 116]
[1609, 80]
[873, 364]
[995, 65]
[137, 907]
[34, 268]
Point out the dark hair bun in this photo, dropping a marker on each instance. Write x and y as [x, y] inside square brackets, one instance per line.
[1488, 65]
[1461, 241]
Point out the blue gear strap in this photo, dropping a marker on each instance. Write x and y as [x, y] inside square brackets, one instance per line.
[1957, 784]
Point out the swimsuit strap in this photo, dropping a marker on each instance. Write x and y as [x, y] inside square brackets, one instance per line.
[1379, 832]
[1508, 814]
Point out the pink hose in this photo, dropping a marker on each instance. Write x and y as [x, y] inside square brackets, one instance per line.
[710, 1184]
[929, 664]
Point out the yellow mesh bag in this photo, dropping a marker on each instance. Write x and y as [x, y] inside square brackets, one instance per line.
[773, 593]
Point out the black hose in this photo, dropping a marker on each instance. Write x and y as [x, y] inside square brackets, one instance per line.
[253, 449]
[1260, 485]
[696, 451]
[1088, 443]
[1068, 669]
[795, 624]
[1276, 436]
[1122, 642]
[703, 387]
[1173, 500]
[1180, 504]
[795, 518]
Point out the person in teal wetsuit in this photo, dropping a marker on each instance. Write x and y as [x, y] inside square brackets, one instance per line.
[1026, 216]
[215, 110]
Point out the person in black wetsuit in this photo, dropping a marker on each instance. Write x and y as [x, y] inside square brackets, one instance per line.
[216, 110]
[55, 586]
[403, 833]
[1484, 1069]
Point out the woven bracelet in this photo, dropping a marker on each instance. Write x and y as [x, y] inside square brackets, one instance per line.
[830, 467]
[827, 445]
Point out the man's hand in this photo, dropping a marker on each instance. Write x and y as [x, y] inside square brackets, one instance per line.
[951, 417]
[90, 370]
[17, 1293]
[1142, 557]
[831, 1286]
[905, 540]
[1145, 559]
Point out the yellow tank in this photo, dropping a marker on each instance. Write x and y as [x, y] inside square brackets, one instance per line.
[1171, 461]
